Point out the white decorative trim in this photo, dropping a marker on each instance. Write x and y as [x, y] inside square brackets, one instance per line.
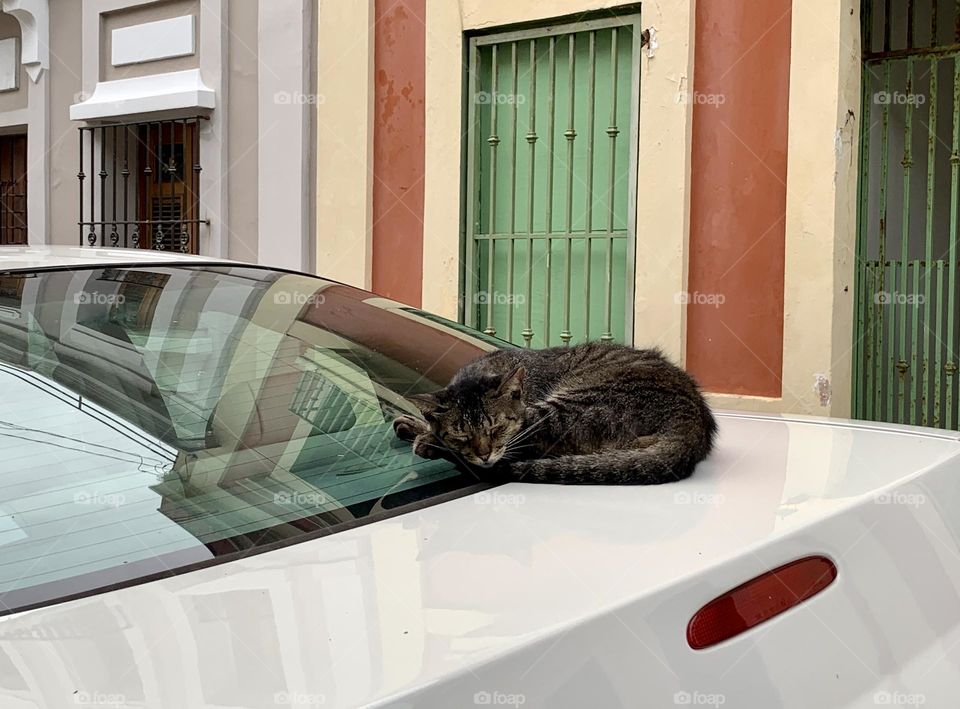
[150, 41]
[145, 94]
[34, 19]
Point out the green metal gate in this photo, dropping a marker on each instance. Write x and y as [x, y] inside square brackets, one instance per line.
[552, 125]
[906, 340]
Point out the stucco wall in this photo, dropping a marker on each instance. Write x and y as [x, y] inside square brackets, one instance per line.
[662, 170]
[344, 147]
[242, 132]
[65, 86]
[822, 165]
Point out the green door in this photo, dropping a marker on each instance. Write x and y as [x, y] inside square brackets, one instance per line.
[551, 127]
[906, 338]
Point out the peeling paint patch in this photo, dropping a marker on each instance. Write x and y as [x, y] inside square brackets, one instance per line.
[822, 388]
[652, 43]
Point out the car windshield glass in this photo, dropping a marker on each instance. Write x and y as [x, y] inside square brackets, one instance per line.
[152, 419]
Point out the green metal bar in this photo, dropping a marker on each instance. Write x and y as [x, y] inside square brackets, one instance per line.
[903, 311]
[914, 339]
[539, 235]
[612, 132]
[907, 163]
[551, 130]
[875, 308]
[570, 134]
[897, 316]
[493, 141]
[943, 52]
[938, 367]
[588, 219]
[950, 367]
[928, 243]
[513, 193]
[527, 333]
[869, 295]
[471, 278]
[863, 197]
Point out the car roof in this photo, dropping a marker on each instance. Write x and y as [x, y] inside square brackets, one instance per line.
[21, 258]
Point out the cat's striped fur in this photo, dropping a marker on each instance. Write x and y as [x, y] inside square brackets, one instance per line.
[596, 413]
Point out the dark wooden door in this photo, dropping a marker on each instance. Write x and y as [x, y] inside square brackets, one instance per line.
[168, 190]
[13, 190]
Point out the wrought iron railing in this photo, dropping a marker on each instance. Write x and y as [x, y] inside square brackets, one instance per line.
[139, 185]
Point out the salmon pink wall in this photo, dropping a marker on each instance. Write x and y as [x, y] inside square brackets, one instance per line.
[738, 196]
[398, 149]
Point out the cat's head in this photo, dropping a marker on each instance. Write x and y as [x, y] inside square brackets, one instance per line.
[476, 417]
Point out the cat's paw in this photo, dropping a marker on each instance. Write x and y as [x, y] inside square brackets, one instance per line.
[426, 446]
[408, 428]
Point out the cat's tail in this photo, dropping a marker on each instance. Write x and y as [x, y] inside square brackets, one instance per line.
[668, 459]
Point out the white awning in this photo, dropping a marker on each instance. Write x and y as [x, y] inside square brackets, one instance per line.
[145, 94]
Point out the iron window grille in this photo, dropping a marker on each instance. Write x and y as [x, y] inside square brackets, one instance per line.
[139, 185]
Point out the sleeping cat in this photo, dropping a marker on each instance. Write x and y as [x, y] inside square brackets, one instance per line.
[595, 413]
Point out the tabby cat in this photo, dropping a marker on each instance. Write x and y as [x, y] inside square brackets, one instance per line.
[596, 413]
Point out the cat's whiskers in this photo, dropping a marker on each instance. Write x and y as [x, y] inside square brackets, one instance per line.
[527, 432]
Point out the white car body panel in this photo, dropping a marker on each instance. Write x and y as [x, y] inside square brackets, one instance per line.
[26, 258]
[552, 596]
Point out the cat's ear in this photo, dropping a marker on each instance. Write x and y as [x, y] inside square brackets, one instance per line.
[512, 384]
[428, 404]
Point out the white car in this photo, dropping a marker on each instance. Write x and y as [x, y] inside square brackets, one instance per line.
[203, 504]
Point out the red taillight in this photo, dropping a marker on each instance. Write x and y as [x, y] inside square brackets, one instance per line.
[759, 600]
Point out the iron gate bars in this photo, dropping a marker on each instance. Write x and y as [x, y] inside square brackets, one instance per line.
[139, 185]
[906, 339]
[550, 186]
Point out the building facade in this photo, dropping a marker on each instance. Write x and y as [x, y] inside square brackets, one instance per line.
[170, 124]
[725, 181]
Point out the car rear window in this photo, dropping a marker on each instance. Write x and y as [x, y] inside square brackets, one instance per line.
[156, 419]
